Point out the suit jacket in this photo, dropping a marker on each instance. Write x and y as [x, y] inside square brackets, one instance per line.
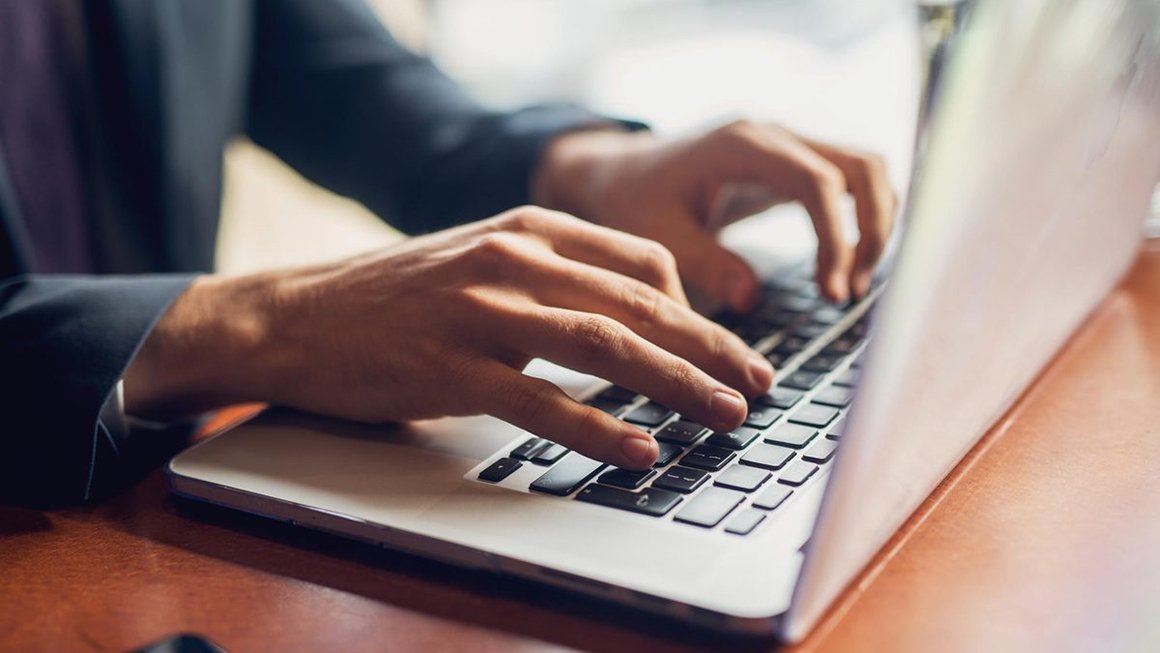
[318, 82]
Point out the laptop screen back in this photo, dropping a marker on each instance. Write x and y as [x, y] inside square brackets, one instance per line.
[1043, 153]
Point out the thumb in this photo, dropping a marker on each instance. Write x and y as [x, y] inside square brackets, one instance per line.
[704, 263]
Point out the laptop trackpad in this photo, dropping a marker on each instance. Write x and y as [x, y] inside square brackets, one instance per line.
[346, 467]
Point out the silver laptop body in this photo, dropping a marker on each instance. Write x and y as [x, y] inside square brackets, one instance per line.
[1027, 208]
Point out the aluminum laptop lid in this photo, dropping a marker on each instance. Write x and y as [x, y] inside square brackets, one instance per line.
[1043, 154]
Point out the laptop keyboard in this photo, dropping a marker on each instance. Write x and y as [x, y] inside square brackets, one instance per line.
[733, 480]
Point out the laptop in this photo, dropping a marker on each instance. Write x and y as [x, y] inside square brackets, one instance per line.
[1025, 210]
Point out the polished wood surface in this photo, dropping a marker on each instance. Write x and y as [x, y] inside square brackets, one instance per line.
[1045, 538]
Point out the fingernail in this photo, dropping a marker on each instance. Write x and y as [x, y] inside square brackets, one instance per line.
[640, 451]
[727, 407]
[760, 371]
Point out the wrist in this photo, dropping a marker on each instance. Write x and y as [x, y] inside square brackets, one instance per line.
[212, 348]
[577, 168]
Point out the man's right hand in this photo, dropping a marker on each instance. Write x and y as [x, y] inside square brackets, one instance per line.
[444, 324]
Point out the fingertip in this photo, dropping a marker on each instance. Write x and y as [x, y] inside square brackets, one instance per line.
[860, 283]
[728, 409]
[639, 450]
[761, 372]
[837, 287]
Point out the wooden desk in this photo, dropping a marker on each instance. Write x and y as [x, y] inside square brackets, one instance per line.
[1046, 538]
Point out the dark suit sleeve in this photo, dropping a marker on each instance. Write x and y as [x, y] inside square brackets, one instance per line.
[65, 343]
[339, 99]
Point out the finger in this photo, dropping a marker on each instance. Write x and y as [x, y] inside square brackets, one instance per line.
[656, 317]
[875, 202]
[601, 346]
[747, 152]
[615, 250]
[544, 409]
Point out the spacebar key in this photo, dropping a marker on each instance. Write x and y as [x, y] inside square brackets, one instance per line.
[651, 501]
[567, 475]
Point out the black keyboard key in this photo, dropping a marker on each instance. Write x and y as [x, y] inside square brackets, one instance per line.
[822, 363]
[707, 457]
[681, 479]
[752, 332]
[549, 454]
[745, 522]
[762, 418]
[834, 395]
[778, 318]
[681, 432]
[737, 439]
[860, 329]
[777, 359]
[821, 451]
[738, 477]
[828, 315]
[802, 303]
[779, 397]
[530, 448]
[649, 501]
[797, 473]
[767, 456]
[499, 470]
[619, 394]
[709, 507]
[791, 435]
[772, 497]
[842, 346]
[791, 345]
[809, 331]
[848, 378]
[668, 452]
[607, 405]
[814, 415]
[626, 478]
[568, 474]
[837, 429]
[802, 380]
[650, 414]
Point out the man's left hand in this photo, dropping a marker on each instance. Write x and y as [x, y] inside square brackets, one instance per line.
[682, 192]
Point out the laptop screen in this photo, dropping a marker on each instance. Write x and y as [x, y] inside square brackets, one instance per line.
[1042, 156]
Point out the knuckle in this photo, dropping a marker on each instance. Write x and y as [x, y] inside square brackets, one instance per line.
[498, 248]
[721, 342]
[525, 218]
[684, 377]
[825, 177]
[643, 302]
[740, 127]
[597, 336]
[529, 402]
[659, 262]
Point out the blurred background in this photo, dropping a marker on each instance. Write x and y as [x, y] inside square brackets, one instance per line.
[841, 70]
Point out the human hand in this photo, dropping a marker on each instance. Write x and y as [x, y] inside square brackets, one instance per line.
[680, 193]
[443, 324]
